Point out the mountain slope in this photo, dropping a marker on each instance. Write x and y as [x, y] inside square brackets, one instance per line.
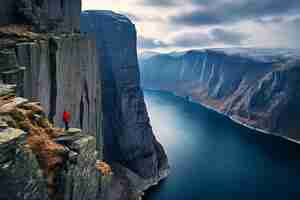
[256, 87]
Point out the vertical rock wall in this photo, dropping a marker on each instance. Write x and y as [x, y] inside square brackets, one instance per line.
[42, 15]
[79, 178]
[7, 9]
[128, 136]
[62, 73]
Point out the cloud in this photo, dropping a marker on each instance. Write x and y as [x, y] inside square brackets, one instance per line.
[289, 31]
[221, 11]
[191, 39]
[213, 37]
[140, 18]
[132, 17]
[269, 20]
[159, 3]
[150, 43]
[168, 25]
[228, 37]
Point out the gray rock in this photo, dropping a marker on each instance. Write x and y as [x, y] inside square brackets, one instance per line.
[23, 179]
[7, 10]
[20, 173]
[43, 15]
[10, 71]
[62, 73]
[128, 136]
[7, 89]
[79, 178]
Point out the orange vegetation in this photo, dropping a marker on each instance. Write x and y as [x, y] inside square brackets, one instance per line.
[104, 168]
[17, 31]
[6, 99]
[31, 118]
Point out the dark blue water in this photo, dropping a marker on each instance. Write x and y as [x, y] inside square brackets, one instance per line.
[213, 158]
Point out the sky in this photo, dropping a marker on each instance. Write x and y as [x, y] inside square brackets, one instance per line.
[175, 25]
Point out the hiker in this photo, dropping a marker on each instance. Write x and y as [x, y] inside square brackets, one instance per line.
[66, 119]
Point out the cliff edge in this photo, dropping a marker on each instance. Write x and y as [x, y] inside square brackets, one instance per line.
[39, 161]
[94, 76]
[128, 137]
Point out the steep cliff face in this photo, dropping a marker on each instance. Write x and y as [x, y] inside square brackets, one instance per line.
[59, 68]
[42, 15]
[257, 87]
[62, 73]
[128, 136]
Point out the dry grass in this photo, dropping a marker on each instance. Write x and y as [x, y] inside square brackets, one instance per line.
[41, 133]
[6, 99]
[104, 168]
[23, 31]
[12, 34]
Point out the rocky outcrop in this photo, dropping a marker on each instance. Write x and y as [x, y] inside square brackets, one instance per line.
[61, 73]
[79, 178]
[10, 71]
[255, 87]
[39, 161]
[42, 15]
[128, 136]
[20, 173]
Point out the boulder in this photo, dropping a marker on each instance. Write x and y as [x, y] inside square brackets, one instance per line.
[20, 173]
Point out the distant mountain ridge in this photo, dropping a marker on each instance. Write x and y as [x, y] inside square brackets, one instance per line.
[147, 54]
[256, 87]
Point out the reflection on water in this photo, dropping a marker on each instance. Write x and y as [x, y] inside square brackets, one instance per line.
[213, 158]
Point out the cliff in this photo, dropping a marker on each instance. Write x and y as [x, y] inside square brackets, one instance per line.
[255, 87]
[42, 15]
[55, 69]
[128, 137]
[61, 73]
[39, 161]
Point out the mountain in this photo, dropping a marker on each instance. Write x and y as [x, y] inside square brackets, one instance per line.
[46, 67]
[147, 54]
[255, 87]
[128, 135]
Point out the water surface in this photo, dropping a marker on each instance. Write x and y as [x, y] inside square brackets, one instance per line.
[213, 158]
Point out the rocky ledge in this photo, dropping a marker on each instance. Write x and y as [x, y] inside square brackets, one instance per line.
[258, 88]
[39, 161]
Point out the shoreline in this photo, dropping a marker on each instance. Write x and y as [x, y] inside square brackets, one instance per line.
[190, 99]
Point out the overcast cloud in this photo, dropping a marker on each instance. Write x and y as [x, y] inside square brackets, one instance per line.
[168, 25]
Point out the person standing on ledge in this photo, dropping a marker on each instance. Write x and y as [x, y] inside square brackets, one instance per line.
[66, 119]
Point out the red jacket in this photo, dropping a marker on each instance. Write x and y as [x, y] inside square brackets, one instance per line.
[66, 116]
